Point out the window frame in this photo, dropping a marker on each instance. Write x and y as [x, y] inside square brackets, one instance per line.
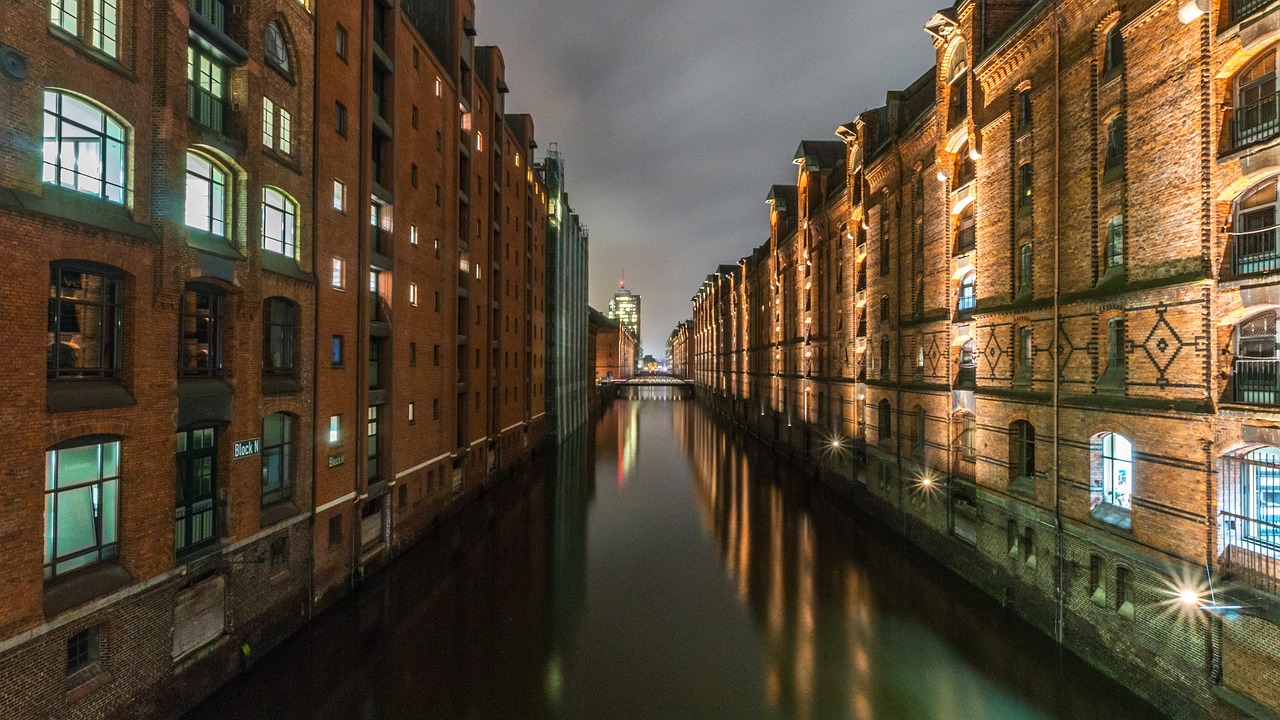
[214, 315]
[195, 505]
[110, 324]
[275, 48]
[279, 337]
[1116, 471]
[105, 530]
[110, 139]
[273, 493]
[216, 186]
[279, 218]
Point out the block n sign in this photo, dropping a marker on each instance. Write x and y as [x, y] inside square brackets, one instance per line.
[245, 448]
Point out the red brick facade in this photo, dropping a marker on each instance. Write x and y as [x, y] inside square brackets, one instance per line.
[203, 217]
[1029, 315]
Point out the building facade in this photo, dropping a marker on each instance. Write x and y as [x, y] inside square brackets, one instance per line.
[624, 309]
[289, 324]
[566, 272]
[1035, 329]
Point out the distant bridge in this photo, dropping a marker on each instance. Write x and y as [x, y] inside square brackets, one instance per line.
[655, 380]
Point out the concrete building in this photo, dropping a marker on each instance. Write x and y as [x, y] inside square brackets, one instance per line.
[567, 244]
[1029, 317]
[287, 325]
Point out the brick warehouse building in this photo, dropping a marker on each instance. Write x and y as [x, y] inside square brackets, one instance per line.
[211, 348]
[1036, 329]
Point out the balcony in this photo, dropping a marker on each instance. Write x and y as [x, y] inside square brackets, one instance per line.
[1257, 381]
[206, 108]
[1255, 252]
[1256, 122]
[214, 11]
[1241, 9]
[1250, 548]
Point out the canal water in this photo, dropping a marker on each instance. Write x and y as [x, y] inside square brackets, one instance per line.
[659, 567]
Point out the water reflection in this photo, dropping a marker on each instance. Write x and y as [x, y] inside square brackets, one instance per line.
[699, 578]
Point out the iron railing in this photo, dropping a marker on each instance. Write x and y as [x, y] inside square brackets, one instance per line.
[1250, 550]
[1257, 381]
[1241, 9]
[1259, 121]
[1255, 252]
[206, 108]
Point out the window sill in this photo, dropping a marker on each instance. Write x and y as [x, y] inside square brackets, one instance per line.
[63, 594]
[287, 266]
[1113, 515]
[289, 161]
[1110, 75]
[1112, 174]
[213, 244]
[60, 202]
[276, 513]
[91, 52]
[1023, 486]
[68, 395]
[1025, 210]
[85, 682]
[280, 385]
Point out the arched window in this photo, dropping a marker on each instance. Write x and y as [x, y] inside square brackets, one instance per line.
[1255, 377]
[1257, 111]
[81, 503]
[958, 84]
[1115, 143]
[1026, 265]
[207, 201]
[1254, 246]
[277, 51]
[885, 421]
[1026, 187]
[966, 169]
[1023, 436]
[967, 299]
[968, 364]
[1113, 54]
[966, 233]
[1115, 242]
[1114, 481]
[279, 223]
[279, 336]
[83, 147]
[85, 316]
[277, 458]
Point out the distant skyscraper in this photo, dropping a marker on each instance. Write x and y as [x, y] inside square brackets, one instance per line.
[624, 308]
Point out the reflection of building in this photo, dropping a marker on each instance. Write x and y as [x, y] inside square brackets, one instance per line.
[1078, 345]
[615, 349]
[573, 488]
[624, 309]
[567, 245]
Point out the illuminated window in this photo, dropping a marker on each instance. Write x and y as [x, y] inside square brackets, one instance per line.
[64, 14]
[1256, 115]
[413, 234]
[81, 505]
[1255, 242]
[1115, 143]
[968, 297]
[339, 196]
[335, 429]
[413, 294]
[339, 280]
[83, 147]
[279, 223]
[1115, 242]
[207, 200]
[479, 141]
[85, 317]
[1114, 482]
[438, 86]
[268, 122]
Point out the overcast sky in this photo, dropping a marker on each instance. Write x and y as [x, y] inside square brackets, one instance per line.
[676, 116]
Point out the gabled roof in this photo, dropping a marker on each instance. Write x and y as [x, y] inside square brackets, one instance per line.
[783, 197]
[820, 154]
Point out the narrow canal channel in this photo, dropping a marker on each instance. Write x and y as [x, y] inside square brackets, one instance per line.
[664, 567]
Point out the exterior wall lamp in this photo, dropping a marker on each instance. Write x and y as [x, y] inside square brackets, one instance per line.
[1191, 10]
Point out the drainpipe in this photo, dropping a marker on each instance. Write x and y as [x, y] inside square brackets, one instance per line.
[315, 333]
[1060, 619]
[362, 277]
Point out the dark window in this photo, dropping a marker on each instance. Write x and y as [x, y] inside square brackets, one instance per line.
[375, 363]
[435, 355]
[1024, 111]
[337, 350]
[415, 58]
[1024, 436]
[1025, 349]
[886, 251]
[277, 52]
[1095, 574]
[884, 308]
[279, 335]
[1124, 588]
[966, 168]
[1025, 188]
[413, 114]
[968, 438]
[277, 458]
[413, 354]
[885, 421]
[1113, 56]
[884, 359]
[340, 118]
[85, 313]
[1115, 343]
[1115, 242]
[335, 530]
[1115, 143]
[200, 328]
[81, 505]
[966, 233]
[82, 650]
[1026, 261]
[413, 174]
[206, 88]
[435, 409]
[340, 42]
[194, 516]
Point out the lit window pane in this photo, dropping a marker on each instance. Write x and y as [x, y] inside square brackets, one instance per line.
[268, 120]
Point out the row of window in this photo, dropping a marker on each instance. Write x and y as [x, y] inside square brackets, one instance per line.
[83, 492]
[86, 318]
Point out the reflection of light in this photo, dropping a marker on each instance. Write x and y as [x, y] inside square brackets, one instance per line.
[1189, 597]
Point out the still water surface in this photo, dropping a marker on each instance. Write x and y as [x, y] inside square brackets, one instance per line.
[662, 567]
